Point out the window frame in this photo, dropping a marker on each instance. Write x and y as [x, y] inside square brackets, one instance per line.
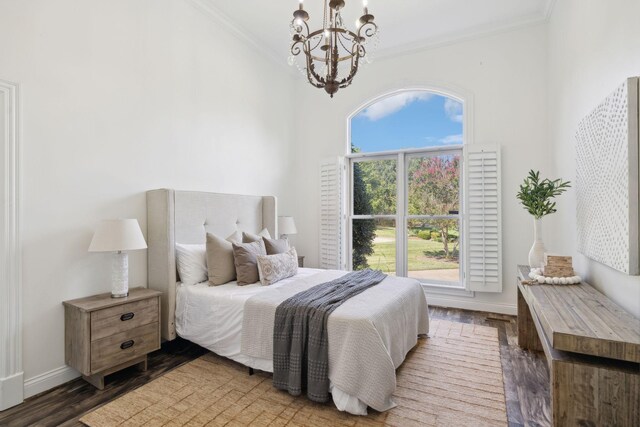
[401, 216]
[467, 100]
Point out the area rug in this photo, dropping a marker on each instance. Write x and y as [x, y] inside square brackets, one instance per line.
[451, 378]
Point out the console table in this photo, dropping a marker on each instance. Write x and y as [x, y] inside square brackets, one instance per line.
[592, 348]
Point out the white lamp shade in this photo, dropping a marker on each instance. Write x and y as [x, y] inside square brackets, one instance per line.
[117, 235]
[286, 225]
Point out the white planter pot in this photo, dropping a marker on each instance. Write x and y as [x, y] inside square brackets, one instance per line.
[536, 254]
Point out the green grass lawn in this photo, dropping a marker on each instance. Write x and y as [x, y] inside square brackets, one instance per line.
[423, 254]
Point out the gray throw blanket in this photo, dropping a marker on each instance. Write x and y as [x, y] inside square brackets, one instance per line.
[300, 338]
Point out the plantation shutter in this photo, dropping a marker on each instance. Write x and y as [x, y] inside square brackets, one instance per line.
[483, 236]
[331, 222]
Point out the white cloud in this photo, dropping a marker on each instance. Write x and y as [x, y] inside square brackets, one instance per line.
[452, 139]
[453, 110]
[393, 104]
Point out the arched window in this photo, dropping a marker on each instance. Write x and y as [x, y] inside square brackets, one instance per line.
[407, 120]
[405, 170]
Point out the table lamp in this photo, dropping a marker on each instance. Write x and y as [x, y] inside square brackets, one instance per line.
[118, 235]
[286, 226]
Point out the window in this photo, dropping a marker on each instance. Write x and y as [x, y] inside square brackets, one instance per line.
[405, 187]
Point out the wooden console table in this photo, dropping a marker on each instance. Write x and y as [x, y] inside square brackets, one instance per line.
[592, 348]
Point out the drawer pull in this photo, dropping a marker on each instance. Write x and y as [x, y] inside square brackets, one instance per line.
[127, 344]
[126, 316]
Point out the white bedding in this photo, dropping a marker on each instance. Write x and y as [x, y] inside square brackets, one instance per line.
[212, 317]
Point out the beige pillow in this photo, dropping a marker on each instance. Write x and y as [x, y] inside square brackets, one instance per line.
[250, 237]
[273, 268]
[245, 258]
[236, 236]
[275, 246]
[220, 264]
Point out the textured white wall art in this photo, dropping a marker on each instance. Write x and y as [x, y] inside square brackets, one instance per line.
[607, 181]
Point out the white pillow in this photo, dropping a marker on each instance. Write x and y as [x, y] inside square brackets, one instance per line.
[191, 261]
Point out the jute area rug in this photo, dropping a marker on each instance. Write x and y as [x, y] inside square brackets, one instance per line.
[452, 378]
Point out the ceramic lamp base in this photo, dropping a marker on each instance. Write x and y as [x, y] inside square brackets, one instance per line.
[120, 275]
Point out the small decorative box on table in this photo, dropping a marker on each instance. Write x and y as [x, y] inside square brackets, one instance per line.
[104, 335]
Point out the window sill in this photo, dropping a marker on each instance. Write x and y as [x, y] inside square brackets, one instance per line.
[434, 289]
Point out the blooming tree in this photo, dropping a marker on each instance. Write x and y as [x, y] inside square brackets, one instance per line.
[434, 189]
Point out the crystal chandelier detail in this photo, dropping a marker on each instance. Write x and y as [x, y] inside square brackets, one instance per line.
[333, 53]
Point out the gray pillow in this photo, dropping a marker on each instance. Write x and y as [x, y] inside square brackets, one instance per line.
[274, 268]
[250, 237]
[245, 258]
[220, 265]
[275, 246]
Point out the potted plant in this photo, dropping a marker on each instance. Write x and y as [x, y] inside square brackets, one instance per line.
[537, 198]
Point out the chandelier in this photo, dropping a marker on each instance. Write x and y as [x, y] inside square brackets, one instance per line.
[333, 53]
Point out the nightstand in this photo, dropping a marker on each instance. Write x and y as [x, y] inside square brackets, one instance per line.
[300, 261]
[104, 335]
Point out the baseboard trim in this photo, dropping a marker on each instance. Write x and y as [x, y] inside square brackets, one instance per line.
[470, 304]
[11, 391]
[49, 380]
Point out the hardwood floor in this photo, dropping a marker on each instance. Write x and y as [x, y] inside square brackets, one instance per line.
[526, 380]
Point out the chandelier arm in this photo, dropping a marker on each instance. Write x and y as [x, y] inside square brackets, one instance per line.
[306, 27]
[295, 47]
[368, 29]
[302, 27]
[361, 51]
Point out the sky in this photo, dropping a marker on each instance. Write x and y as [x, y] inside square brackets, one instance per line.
[408, 120]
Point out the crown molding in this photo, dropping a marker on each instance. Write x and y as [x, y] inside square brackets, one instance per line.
[208, 8]
[471, 34]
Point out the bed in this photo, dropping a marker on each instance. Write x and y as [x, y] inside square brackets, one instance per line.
[369, 335]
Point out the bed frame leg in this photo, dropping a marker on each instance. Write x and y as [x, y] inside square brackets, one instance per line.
[251, 371]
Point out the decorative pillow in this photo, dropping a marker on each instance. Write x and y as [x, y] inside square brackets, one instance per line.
[236, 236]
[250, 237]
[245, 258]
[220, 263]
[275, 246]
[191, 261]
[273, 268]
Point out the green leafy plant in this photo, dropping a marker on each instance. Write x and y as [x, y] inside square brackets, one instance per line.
[536, 195]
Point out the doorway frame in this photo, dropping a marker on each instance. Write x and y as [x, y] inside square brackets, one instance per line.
[11, 370]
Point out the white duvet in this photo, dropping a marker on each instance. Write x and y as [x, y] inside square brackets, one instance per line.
[212, 316]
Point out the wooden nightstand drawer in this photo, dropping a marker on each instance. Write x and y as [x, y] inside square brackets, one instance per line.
[124, 346]
[113, 320]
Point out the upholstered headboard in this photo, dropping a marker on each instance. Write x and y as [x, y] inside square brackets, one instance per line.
[185, 217]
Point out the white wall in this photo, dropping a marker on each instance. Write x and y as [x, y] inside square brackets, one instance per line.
[506, 76]
[593, 47]
[119, 97]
